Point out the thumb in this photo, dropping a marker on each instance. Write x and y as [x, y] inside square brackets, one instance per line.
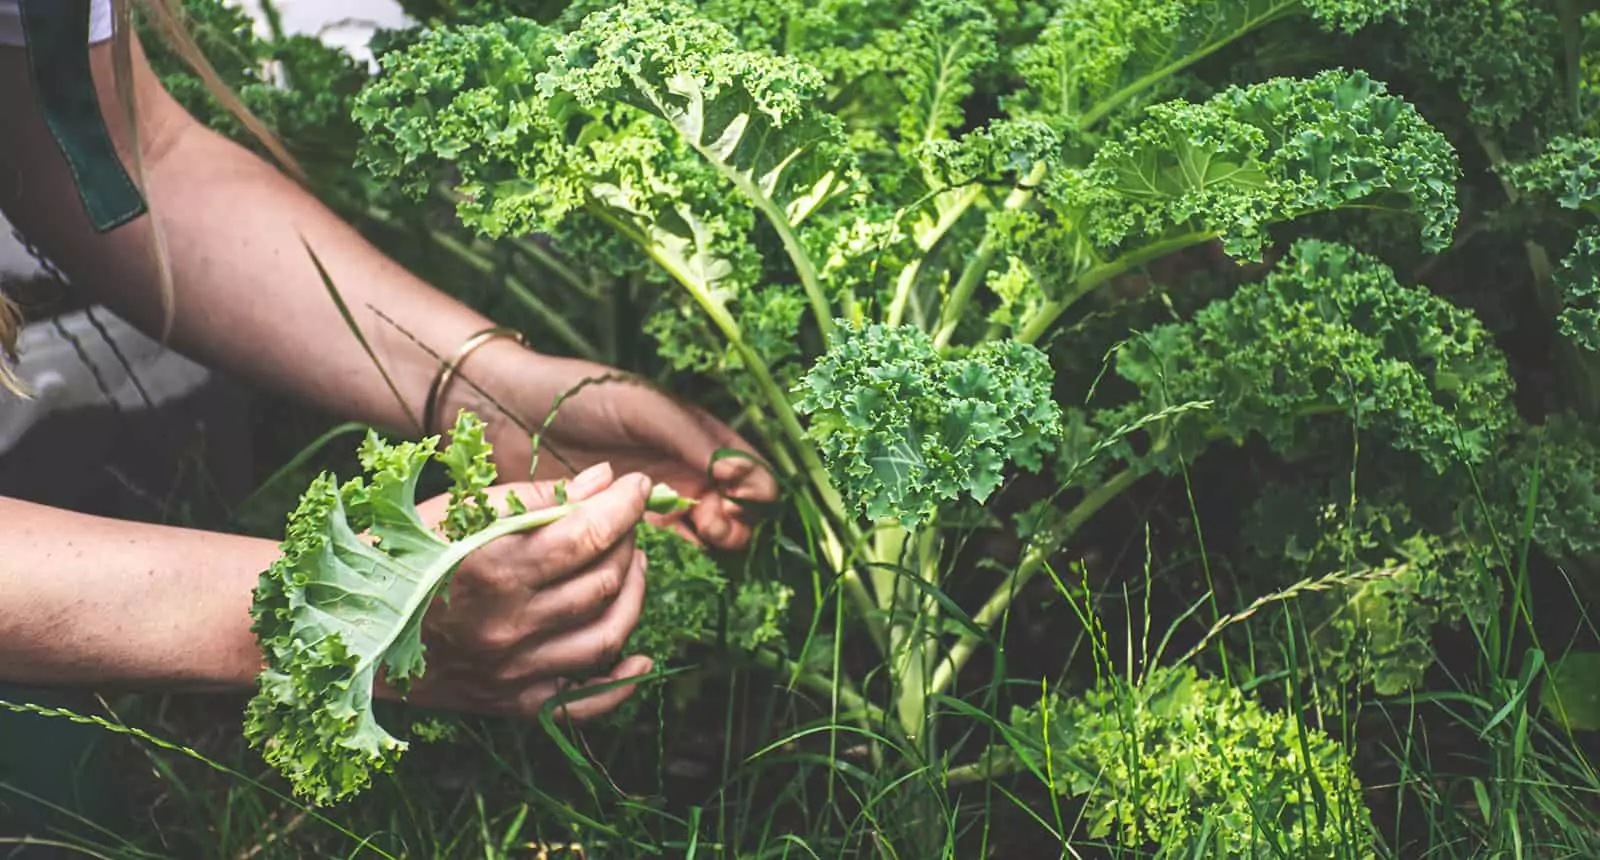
[542, 494]
[534, 495]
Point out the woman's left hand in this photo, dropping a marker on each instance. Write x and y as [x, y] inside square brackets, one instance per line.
[628, 424]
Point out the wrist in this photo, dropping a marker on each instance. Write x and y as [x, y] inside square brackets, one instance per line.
[497, 381]
[437, 416]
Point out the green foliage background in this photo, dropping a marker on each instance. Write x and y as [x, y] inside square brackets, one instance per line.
[1317, 282]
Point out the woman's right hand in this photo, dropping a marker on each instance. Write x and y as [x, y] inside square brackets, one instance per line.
[531, 615]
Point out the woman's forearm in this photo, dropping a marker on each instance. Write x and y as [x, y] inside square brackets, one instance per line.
[89, 601]
[247, 298]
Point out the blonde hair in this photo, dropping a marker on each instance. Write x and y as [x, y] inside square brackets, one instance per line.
[10, 328]
[168, 20]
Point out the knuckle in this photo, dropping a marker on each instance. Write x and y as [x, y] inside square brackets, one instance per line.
[529, 704]
[612, 641]
[486, 573]
[495, 637]
[608, 583]
[595, 536]
[509, 673]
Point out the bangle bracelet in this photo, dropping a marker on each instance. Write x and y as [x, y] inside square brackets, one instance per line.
[447, 369]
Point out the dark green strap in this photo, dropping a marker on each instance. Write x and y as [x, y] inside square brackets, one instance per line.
[57, 33]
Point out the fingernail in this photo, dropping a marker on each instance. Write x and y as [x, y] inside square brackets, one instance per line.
[590, 479]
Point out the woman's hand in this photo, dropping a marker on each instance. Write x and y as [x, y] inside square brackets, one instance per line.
[531, 614]
[626, 423]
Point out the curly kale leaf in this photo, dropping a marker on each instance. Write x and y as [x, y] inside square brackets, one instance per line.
[684, 602]
[1555, 466]
[1329, 332]
[1567, 175]
[1192, 765]
[1004, 150]
[758, 118]
[1579, 282]
[687, 598]
[1094, 57]
[904, 428]
[647, 117]
[1385, 582]
[1567, 171]
[1269, 152]
[758, 614]
[768, 317]
[465, 104]
[1502, 58]
[344, 604]
[935, 57]
[684, 595]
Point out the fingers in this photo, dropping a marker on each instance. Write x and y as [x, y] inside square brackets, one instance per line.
[530, 699]
[542, 494]
[604, 523]
[717, 522]
[533, 495]
[718, 518]
[581, 601]
[745, 476]
[584, 707]
[694, 438]
[583, 648]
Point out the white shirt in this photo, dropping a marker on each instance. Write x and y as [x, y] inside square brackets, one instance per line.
[11, 22]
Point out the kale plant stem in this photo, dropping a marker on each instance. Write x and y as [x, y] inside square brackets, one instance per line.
[982, 771]
[1088, 281]
[899, 596]
[925, 243]
[956, 306]
[820, 306]
[557, 324]
[1032, 562]
[845, 689]
[811, 464]
[560, 269]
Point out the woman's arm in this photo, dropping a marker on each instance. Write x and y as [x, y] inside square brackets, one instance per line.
[90, 601]
[249, 300]
[84, 600]
[247, 297]
[93, 602]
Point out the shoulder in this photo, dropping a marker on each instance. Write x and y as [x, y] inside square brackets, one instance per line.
[11, 22]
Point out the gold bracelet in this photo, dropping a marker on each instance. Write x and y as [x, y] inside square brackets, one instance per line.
[447, 369]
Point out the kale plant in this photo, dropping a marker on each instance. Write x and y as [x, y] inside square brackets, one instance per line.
[1187, 766]
[895, 235]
